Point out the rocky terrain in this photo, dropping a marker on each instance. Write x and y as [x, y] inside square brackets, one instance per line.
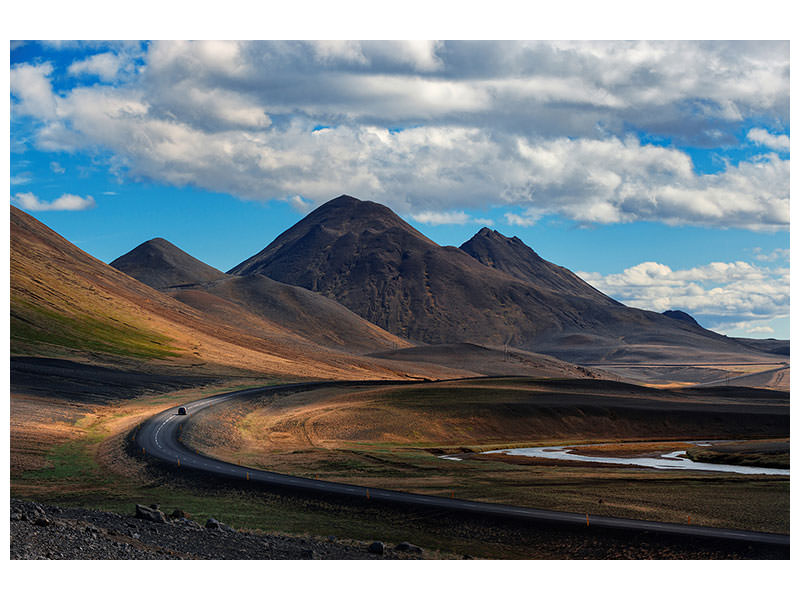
[48, 532]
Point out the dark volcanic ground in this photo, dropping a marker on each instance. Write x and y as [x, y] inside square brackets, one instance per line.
[81, 382]
[47, 532]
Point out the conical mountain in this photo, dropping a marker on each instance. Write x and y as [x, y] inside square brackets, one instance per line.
[160, 264]
[498, 291]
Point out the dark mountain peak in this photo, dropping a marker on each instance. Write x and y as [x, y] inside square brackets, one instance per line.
[160, 264]
[680, 316]
[338, 229]
[513, 256]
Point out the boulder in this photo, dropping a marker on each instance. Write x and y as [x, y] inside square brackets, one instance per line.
[212, 523]
[179, 514]
[150, 514]
[408, 547]
[376, 548]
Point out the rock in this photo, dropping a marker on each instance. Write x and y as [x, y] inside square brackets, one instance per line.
[155, 506]
[150, 514]
[376, 548]
[226, 528]
[331, 538]
[408, 547]
[212, 523]
[189, 523]
[307, 554]
[42, 521]
[179, 514]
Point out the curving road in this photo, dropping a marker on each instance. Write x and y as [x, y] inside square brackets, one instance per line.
[158, 437]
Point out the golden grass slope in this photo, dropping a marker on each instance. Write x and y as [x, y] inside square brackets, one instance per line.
[65, 301]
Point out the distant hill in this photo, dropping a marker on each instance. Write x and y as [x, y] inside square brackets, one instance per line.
[492, 291]
[160, 265]
[769, 345]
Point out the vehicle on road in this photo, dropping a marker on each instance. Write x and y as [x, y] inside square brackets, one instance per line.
[181, 410]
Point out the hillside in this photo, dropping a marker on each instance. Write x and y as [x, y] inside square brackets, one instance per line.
[67, 304]
[260, 305]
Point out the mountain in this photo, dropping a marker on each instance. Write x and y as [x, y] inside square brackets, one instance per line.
[256, 303]
[160, 265]
[65, 303]
[370, 260]
[492, 291]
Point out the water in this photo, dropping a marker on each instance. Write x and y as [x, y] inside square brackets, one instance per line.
[670, 460]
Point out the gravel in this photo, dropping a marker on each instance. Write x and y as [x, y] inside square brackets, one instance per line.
[49, 532]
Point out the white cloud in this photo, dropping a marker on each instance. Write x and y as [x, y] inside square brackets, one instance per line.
[775, 255]
[29, 201]
[21, 179]
[57, 168]
[31, 86]
[762, 137]
[430, 217]
[529, 217]
[720, 295]
[760, 329]
[440, 127]
[106, 66]
[300, 205]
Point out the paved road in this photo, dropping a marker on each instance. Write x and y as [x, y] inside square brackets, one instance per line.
[158, 437]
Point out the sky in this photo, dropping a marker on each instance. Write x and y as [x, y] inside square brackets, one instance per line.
[657, 171]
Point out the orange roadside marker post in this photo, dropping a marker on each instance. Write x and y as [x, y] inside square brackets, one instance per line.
[689, 519]
[587, 519]
[367, 494]
[248, 475]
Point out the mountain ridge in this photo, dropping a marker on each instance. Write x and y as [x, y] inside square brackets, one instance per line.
[493, 290]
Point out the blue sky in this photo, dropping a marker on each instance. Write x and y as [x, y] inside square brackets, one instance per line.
[657, 171]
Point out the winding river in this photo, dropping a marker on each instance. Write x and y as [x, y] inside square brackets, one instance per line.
[670, 460]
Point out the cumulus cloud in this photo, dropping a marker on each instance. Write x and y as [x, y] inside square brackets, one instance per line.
[29, 201]
[762, 137]
[439, 127]
[106, 65]
[430, 217]
[720, 295]
[55, 167]
[31, 87]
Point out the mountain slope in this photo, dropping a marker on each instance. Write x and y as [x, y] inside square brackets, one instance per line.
[369, 259]
[261, 306]
[65, 303]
